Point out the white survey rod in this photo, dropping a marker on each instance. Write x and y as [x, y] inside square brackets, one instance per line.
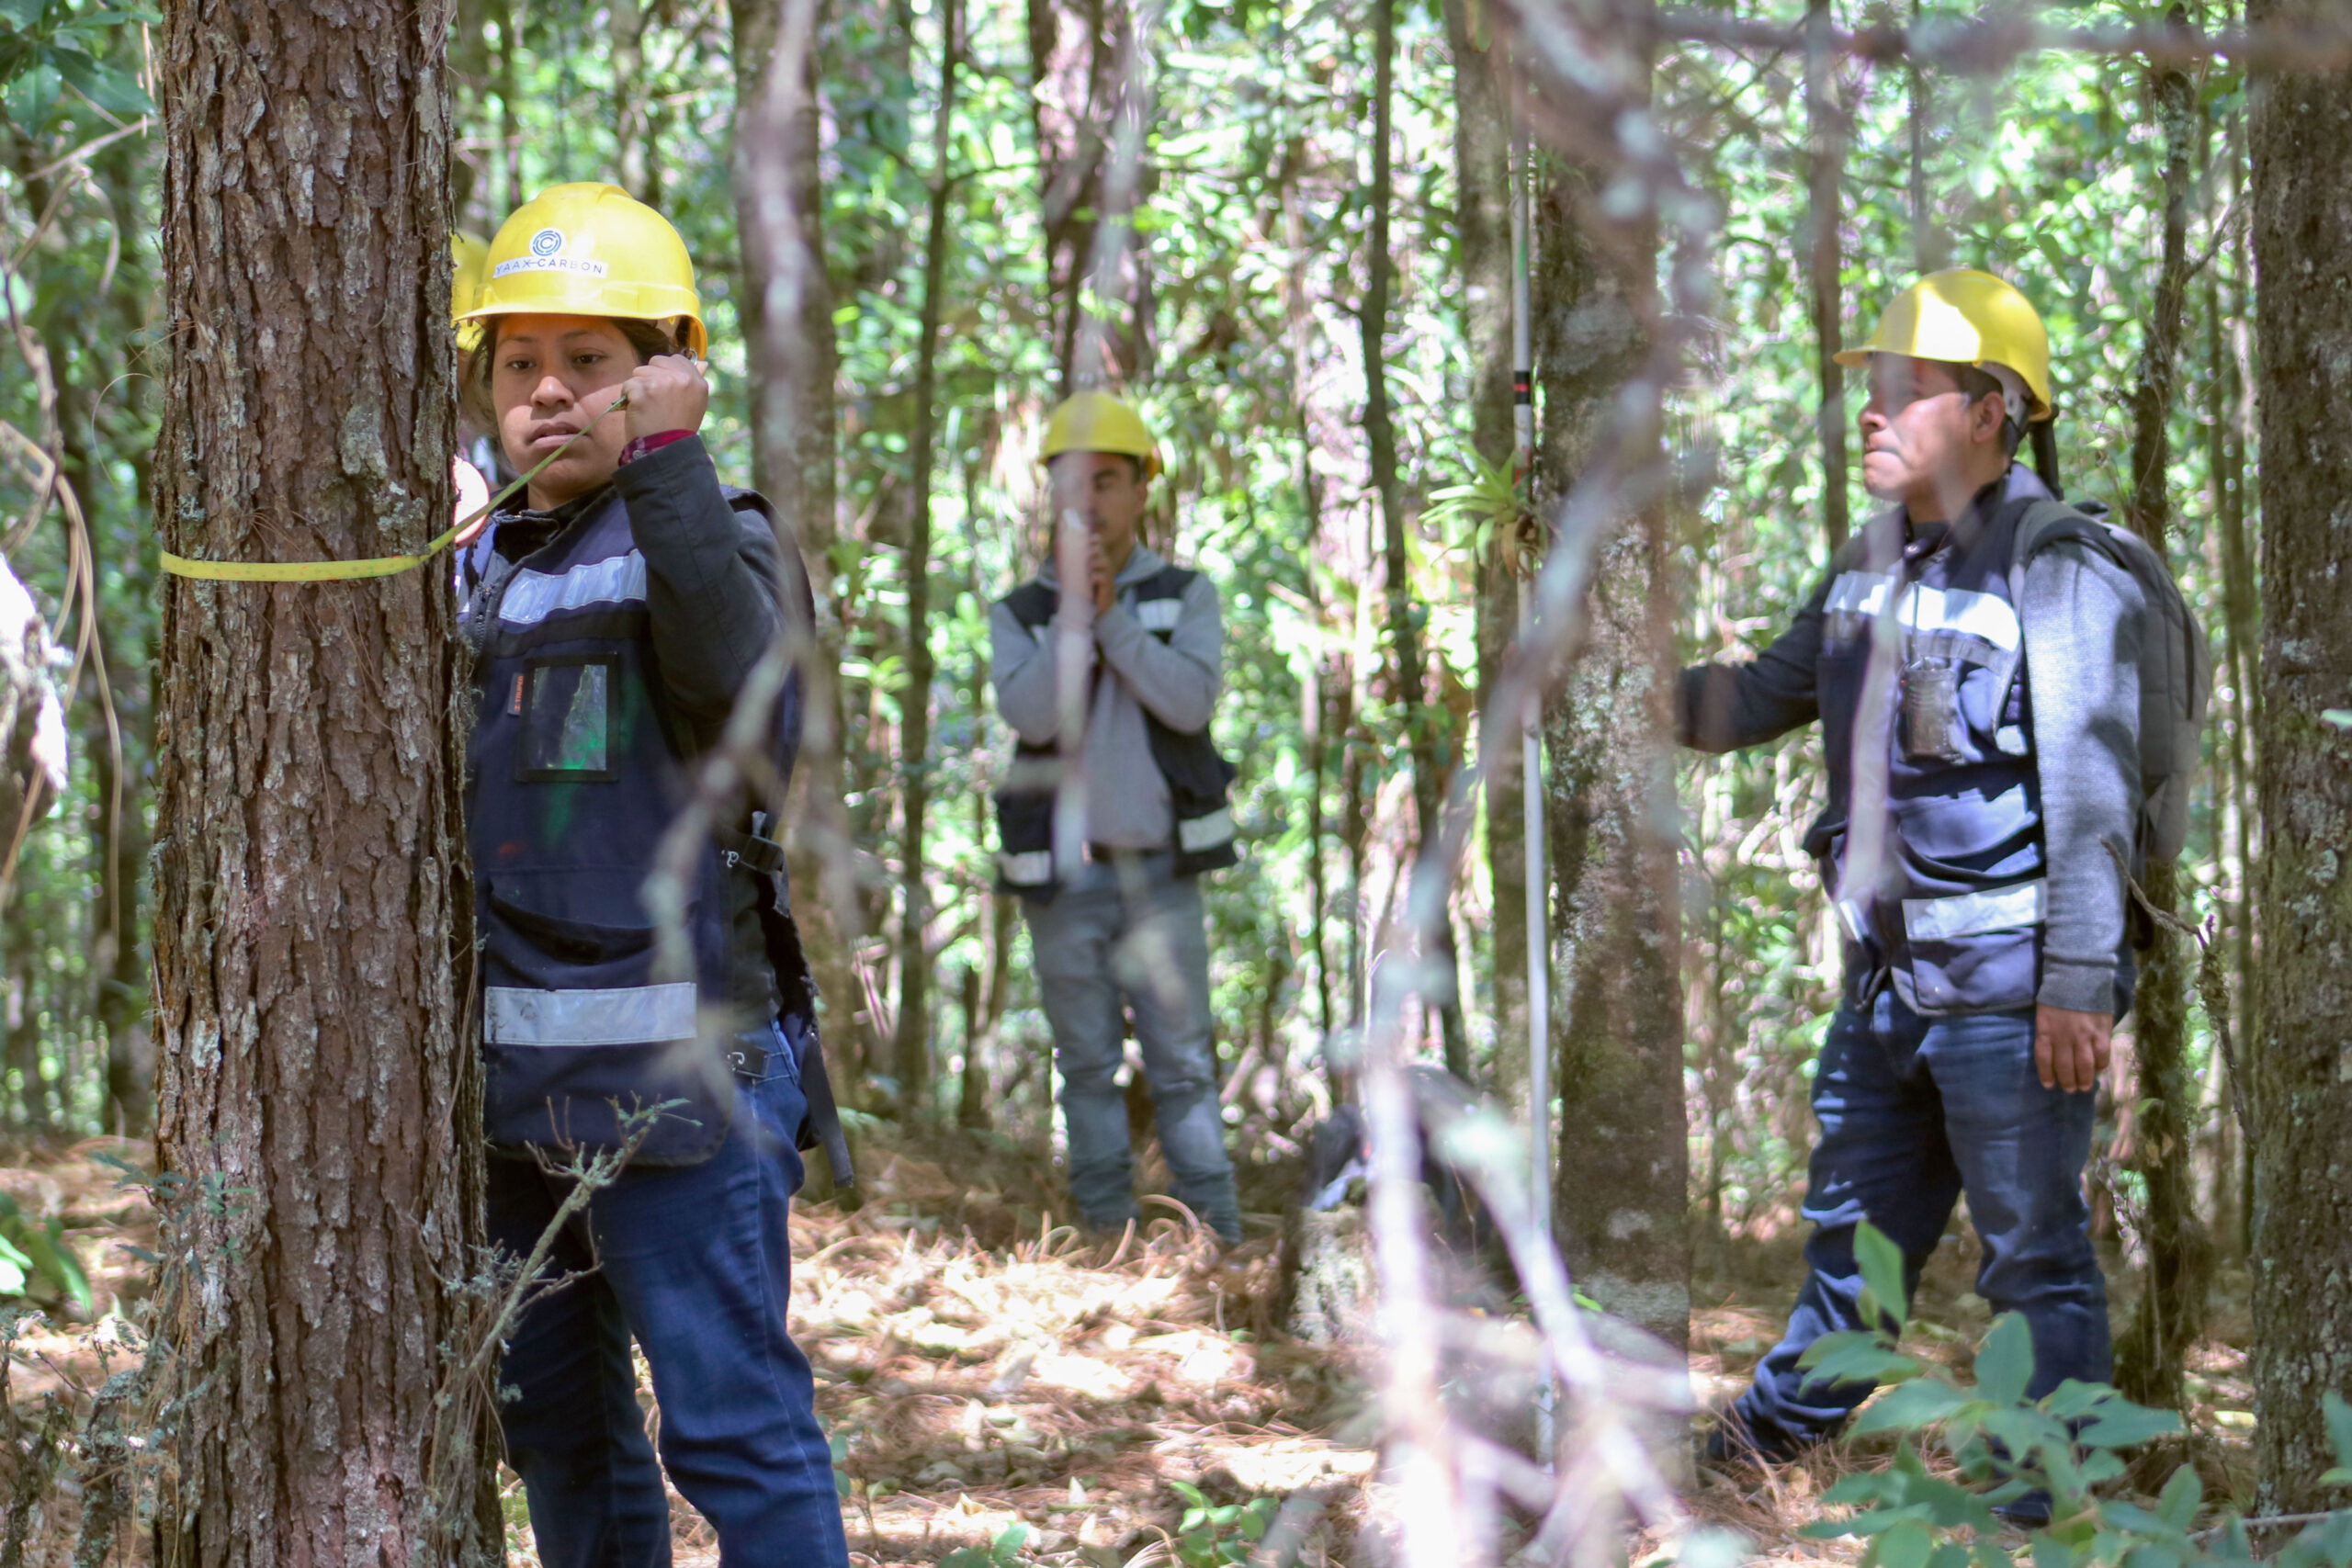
[1530, 752]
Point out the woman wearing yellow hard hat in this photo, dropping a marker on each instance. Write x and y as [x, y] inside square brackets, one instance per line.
[617, 615]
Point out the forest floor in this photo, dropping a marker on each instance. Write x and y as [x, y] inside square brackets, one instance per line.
[980, 1366]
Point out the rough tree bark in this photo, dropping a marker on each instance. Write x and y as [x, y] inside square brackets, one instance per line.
[1482, 169]
[1407, 664]
[320, 1098]
[2171, 1308]
[2301, 135]
[914, 1044]
[1621, 1182]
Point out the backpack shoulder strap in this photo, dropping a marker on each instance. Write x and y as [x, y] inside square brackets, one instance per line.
[1168, 583]
[1032, 604]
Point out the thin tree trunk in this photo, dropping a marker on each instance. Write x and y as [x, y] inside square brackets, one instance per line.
[631, 152]
[1407, 659]
[1297, 315]
[1482, 175]
[2240, 615]
[1621, 1182]
[1073, 60]
[2300, 137]
[793, 465]
[2171, 1308]
[320, 1091]
[1826, 163]
[913, 1045]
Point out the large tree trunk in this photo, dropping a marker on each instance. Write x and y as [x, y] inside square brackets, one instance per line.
[1407, 661]
[913, 1045]
[1621, 1182]
[1482, 175]
[319, 1097]
[2171, 1308]
[2301, 143]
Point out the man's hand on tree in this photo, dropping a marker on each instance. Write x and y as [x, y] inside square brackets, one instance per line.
[665, 393]
[2071, 1049]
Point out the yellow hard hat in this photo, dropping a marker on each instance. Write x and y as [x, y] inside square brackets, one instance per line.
[1097, 421]
[591, 250]
[1967, 317]
[467, 256]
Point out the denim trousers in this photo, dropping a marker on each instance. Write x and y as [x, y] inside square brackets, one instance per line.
[1121, 937]
[695, 1262]
[1914, 1111]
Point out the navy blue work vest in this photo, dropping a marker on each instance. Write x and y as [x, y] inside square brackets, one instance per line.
[1954, 917]
[1197, 777]
[575, 770]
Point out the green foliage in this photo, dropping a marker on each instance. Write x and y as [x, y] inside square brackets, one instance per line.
[36, 1261]
[49, 45]
[1004, 1552]
[2066, 1445]
[1219, 1535]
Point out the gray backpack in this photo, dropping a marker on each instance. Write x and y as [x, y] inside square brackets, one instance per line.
[2175, 666]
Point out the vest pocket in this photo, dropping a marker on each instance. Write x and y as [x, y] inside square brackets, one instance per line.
[568, 705]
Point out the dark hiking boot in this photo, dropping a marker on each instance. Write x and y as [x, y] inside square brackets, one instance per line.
[1736, 1441]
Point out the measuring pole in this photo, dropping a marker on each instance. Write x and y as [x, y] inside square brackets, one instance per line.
[1531, 744]
[1531, 739]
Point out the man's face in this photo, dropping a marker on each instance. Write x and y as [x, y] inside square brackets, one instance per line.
[1108, 490]
[1923, 438]
[550, 377]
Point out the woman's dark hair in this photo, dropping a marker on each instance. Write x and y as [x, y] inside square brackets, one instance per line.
[646, 339]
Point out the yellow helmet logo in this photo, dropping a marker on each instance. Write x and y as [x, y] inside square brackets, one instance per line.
[1966, 317]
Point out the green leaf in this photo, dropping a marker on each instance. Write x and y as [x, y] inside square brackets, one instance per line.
[23, 15]
[966, 1557]
[2004, 1362]
[2049, 1551]
[33, 93]
[113, 91]
[1920, 1402]
[2339, 1425]
[1855, 1357]
[1882, 1266]
[2124, 1426]
[2182, 1496]
[14, 1270]
[1906, 1545]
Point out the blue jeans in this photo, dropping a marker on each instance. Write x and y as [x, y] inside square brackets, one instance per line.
[1131, 936]
[1913, 1111]
[695, 1262]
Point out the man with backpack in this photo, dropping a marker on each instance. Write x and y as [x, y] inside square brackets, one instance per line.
[1119, 929]
[2003, 685]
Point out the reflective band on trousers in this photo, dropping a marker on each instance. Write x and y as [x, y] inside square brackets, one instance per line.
[1197, 833]
[1973, 914]
[630, 1015]
[1034, 869]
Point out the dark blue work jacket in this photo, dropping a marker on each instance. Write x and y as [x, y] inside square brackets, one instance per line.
[1951, 917]
[578, 765]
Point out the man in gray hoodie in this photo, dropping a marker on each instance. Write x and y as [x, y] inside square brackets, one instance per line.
[1121, 930]
[1982, 745]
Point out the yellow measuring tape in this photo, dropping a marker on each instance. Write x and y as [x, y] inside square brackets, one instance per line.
[378, 566]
